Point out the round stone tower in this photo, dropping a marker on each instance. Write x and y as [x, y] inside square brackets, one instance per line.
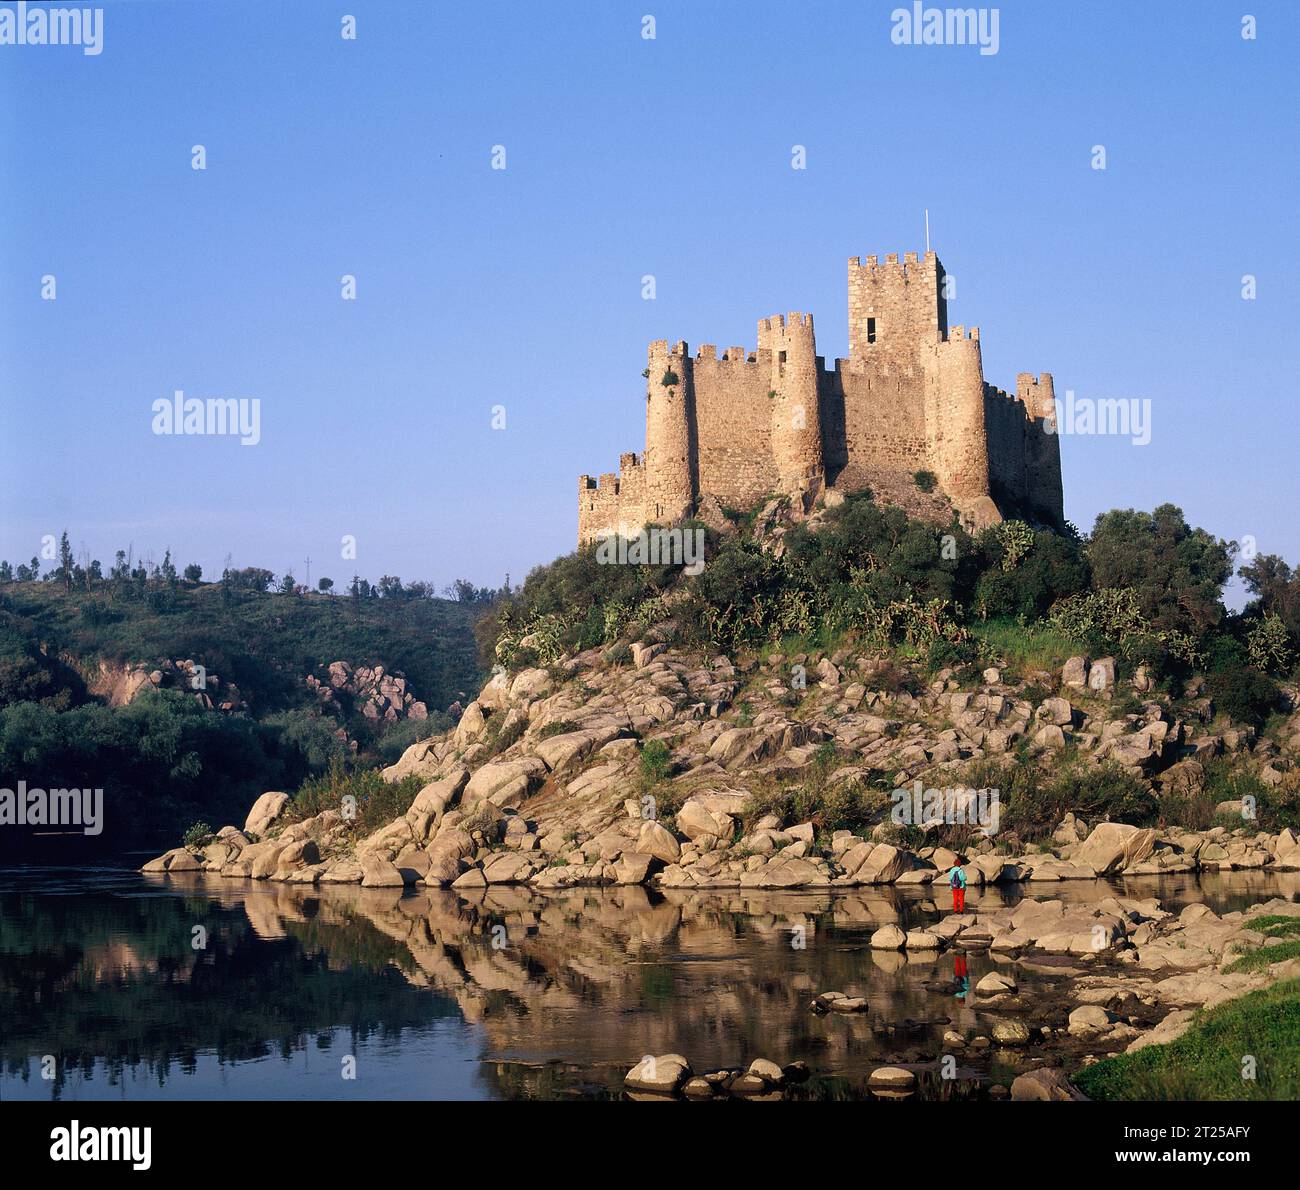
[669, 434]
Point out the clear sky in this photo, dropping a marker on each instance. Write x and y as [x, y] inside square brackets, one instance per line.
[522, 287]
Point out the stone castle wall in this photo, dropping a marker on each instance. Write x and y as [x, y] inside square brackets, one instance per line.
[741, 425]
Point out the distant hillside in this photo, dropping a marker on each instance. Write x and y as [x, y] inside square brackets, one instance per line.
[265, 643]
[182, 699]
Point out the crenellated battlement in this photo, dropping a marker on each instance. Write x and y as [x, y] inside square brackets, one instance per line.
[892, 266]
[910, 396]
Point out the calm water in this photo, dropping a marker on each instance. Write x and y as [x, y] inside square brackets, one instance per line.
[511, 994]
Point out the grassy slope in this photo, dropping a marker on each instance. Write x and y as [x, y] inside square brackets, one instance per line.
[1206, 1063]
[266, 643]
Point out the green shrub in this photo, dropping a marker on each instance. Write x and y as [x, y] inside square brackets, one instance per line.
[656, 762]
[376, 802]
[503, 731]
[1032, 803]
[1238, 690]
[925, 480]
[200, 834]
[557, 727]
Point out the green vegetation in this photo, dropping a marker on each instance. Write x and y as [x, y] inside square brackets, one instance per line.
[828, 804]
[199, 835]
[164, 760]
[1143, 587]
[264, 643]
[376, 802]
[656, 763]
[1263, 957]
[1032, 802]
[1276, 806]
[1273, 925]
[925, 480]
[1209, 1062]
[502, 731]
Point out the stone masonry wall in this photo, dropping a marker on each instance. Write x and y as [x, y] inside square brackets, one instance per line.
[910, 397]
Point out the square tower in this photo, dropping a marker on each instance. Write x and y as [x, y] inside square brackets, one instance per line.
[895, 308]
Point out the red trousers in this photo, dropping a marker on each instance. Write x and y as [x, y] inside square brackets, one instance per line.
[959, 900]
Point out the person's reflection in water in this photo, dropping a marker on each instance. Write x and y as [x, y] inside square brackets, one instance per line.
[961, 978]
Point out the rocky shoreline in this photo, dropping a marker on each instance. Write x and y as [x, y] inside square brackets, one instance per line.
[552, 807]
[543, 783]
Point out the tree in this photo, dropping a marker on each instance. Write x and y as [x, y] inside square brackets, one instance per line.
[1276, 588]
[288, 584]
[1177, 572]
[167, 572]
[324, 585]
[6, 573]
[193, 573]
[65, 561]
[251, 578]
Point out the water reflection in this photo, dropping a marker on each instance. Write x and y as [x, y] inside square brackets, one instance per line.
[508, 994]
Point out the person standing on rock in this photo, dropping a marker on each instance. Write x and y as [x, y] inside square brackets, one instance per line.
[957, 882]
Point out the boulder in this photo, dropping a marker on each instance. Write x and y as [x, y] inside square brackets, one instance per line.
[1074, 673]
[507, 867]
[849, 1004]
[342, 871]
[1088, 1021]
[1113, 846]
[298, 854]
[888, 938]
[633, 867]
[1057, 711]
[265, 811]
[1170, 1029]
[504, 783]
[695, 821]
[443, 868]
[1050, 738]
[184, 861]
[1046, 1085]
[768, 1071]
[996, 984]
[892, 1078]
[377, 872]
[883, 865]
[433, 801]
[1011, 1033]
[562, 752]
[660, 1075]
[656, 840]
[1101, 675]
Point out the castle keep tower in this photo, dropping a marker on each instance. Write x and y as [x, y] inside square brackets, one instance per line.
[911, 397]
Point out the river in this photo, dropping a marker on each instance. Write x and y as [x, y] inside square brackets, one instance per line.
[118, 986]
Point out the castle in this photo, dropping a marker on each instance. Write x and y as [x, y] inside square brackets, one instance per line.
[727, 432]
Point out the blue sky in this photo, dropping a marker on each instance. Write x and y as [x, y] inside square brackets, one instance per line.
[522, 287]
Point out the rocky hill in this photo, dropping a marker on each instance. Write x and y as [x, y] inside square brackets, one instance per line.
[687, 770]
[680, 771]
